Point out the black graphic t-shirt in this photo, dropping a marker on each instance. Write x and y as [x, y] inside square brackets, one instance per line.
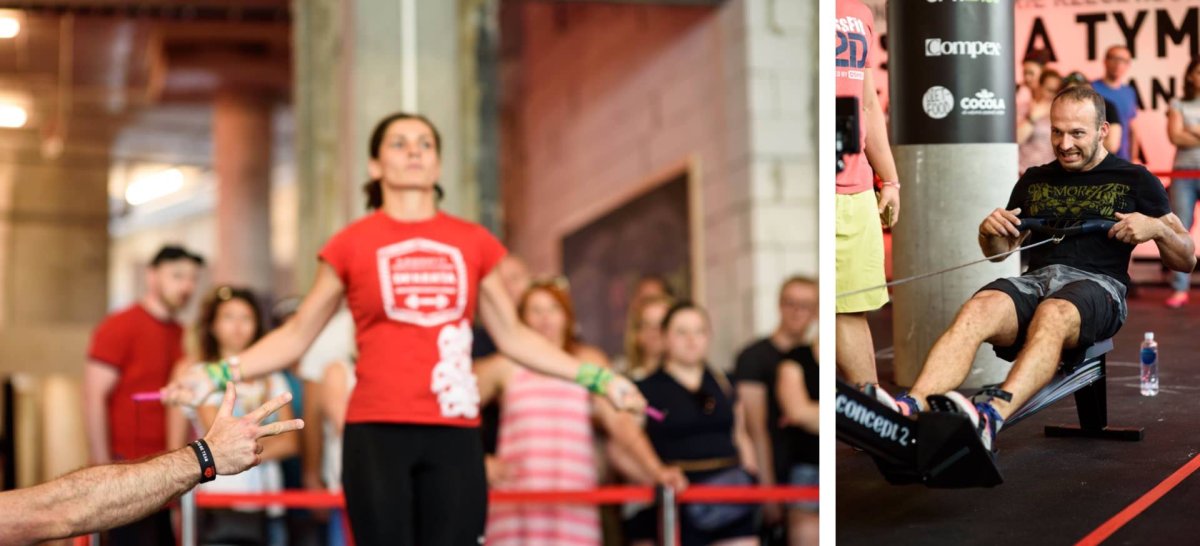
[1115, 185]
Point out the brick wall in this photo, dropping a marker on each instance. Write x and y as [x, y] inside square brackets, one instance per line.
[602, 100]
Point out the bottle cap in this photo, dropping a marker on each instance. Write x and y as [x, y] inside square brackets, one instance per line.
[1149, 336]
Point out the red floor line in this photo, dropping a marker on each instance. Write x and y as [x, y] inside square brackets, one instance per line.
[1138, 506]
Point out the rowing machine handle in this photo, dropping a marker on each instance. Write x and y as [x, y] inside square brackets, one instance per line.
[1058, 227]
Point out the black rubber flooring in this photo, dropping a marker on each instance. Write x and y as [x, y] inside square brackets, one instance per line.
[1057, 490]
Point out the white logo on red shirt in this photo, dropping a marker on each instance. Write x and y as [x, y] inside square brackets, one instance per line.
[453, 381]
[423, 282]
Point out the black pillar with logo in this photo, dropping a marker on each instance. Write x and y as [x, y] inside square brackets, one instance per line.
[951, 66]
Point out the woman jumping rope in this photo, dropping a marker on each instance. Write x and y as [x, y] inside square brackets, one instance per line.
[413, 277]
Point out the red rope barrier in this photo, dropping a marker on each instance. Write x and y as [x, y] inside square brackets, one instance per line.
[1176, 174]
[603, 495]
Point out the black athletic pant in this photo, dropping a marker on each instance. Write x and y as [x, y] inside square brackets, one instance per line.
[414, 484]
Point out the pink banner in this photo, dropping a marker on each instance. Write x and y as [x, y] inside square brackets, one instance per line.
[1163, 35]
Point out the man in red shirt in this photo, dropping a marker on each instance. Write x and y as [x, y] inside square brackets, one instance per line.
[134, 350]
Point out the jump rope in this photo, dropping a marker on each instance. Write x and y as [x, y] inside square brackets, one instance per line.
[1056, 229]
[155, 396]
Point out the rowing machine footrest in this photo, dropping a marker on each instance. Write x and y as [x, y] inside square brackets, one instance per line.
[951, 454]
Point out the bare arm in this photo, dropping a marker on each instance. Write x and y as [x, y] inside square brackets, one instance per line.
[177, 422]
[747, 453]
[103, 497]
[99, 379]
[1177, 133]
[1112, 141]
[312, 440]
[1024, 130]
[752, 398]
[626, 464]
[879, 150]
[492, 374]
[527, 348]
[626, 431]
[998, 232]
[1175, 247]
[1028, 123]
[514, 339]
[1135, 147]
[798, 408]
[278, 349]
[286, 344]
[337, 395]
[95, 498]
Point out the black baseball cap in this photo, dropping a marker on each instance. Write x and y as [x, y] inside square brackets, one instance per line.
[171, 253]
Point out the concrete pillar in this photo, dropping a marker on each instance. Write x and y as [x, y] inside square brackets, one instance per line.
[357, 61]
[242, 162]
[782, 94]
[951, 80]
[944, 197]
[54, 250]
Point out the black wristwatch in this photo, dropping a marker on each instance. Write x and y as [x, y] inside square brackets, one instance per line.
[208, 467]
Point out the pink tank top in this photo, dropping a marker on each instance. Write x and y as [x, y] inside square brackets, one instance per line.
[546, 442]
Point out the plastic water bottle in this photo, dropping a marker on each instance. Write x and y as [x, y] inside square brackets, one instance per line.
[1149, 358]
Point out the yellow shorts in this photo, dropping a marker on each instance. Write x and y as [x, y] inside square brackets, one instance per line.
[859, 252]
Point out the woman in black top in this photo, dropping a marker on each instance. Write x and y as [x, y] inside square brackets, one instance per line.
[703, 434]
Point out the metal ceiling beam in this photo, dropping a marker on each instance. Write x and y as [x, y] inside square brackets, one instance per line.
[644, 2]
[256, 11]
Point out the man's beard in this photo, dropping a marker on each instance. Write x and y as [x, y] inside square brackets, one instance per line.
[1087, 156]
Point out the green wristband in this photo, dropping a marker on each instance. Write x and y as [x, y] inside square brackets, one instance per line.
[219, 373]
[594, 378]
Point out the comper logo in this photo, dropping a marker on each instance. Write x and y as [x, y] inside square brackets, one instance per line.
[984, 103]
[938, 102]
[936, 47]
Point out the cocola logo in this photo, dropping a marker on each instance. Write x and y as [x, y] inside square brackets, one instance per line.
[936, 47]
[983, 103]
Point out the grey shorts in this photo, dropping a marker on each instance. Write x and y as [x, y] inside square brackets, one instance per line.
[1100, 300]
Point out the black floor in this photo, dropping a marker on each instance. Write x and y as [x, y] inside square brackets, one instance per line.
[1057, 491]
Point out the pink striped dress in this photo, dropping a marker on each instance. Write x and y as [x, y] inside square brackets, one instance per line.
[546, 442]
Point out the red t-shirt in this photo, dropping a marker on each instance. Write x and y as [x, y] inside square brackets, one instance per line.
[143, 350]
[412, 288]
[855, 56]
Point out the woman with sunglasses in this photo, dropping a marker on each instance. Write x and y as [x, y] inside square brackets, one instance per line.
[413, 277]
[230, 321]
[704, 434]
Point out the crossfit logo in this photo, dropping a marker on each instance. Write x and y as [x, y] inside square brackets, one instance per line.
[938, 102]
[423, 282]
[852, 47]
[936, 47]
[984, 103]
